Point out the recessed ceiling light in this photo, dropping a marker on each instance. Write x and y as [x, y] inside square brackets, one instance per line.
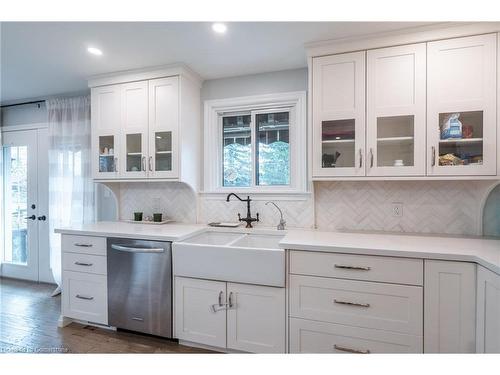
[219, 28]
[94, 51]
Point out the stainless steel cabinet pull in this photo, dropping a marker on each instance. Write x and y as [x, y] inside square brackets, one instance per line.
[360, 158]
[220, 305]
[144, 163]
[220, 298]
[351, 303]
[349, 350]
[83, 264]
[88, 298]
[355, 268]
[371, 158]
[116, 164]
[137, 319]
[433, 156]
[230, 300]
[83, 244]
[150, 162]
[137, 249]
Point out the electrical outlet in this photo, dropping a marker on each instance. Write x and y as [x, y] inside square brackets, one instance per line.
[397, 209]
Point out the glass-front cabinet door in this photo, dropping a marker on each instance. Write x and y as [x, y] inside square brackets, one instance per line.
[339, 115]
[162, 153]
[462, 106]
[396, 101]
[163, 125]
[134, 129]
[107, 155]
[106, 116]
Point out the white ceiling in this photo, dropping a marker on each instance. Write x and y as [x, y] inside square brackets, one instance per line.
[42, 59]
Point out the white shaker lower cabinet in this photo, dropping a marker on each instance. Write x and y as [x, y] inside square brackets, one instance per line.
[449, 307]
[307, 336]
[240, 317]
[488, 311]
[256, 318]
[199, 312]
[334, 310]
[84, 280]
[85, 297]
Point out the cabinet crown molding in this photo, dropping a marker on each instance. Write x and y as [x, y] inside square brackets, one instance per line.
[420, 34]
[124, 76]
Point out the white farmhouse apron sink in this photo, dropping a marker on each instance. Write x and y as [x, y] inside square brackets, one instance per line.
[229, 256]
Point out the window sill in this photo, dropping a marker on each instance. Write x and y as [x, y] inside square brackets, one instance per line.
[257, 195]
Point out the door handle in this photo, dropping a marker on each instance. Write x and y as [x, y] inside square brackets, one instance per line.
[150, 162]
[230, 300]
[371, 158]
[350, 350]
[144, 164]
[32, 217]
[360, 158]
[433, 156]
[220, 305]
[351, 303]
[356, 268]
[88, 298]
[83, 264]
[137, 249]
[42, 218]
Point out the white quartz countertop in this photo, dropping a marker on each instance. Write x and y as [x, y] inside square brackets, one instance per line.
[163, 232]
[485, 252]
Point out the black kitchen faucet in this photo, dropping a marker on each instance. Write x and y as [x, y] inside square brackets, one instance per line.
[249, 219]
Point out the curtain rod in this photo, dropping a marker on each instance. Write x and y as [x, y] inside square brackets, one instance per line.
[14, 105]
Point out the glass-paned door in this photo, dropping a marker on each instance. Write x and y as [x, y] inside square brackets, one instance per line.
[19, 205]
[338, 144]
[107, 154]
[134, 155]
[161, 161]
[460, 138]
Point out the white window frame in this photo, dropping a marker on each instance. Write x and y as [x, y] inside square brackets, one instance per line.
[295, 102]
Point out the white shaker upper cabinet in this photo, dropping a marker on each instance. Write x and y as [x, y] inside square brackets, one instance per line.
[163, 127]
[134, 129]
[395, 122]
[338, 115]
[461, 106]
[106, 115]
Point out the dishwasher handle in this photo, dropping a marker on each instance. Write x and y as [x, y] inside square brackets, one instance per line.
[137, 249]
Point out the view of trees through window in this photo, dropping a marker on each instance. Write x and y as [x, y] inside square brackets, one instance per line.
[15, 204]
[271, 162]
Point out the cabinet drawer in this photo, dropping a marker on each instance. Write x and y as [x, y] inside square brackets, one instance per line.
[388, 307]
[84, 244]
[358, 267]
[84, 263]
[317, 337]
[85, 297]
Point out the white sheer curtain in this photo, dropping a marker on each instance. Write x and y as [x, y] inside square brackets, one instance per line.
[71, 190]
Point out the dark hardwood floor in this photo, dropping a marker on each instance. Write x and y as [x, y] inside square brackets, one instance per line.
[28, 324]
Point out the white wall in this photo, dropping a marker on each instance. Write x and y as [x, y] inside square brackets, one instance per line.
[255, 84]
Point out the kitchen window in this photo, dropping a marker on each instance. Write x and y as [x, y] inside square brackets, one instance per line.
[256, 144]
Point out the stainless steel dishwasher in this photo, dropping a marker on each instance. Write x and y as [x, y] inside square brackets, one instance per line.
[140, 285]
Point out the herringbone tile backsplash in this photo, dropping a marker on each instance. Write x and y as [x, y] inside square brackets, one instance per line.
[174, 199]
[446, 207]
